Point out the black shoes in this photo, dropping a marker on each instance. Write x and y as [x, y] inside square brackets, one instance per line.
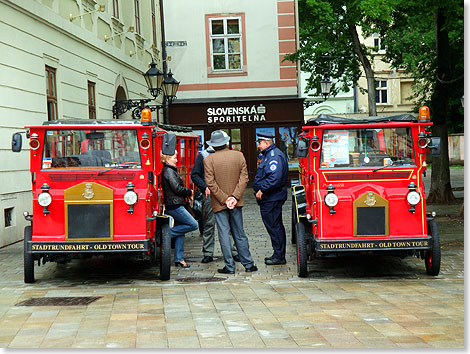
[224, 270]
[266, 258]
[207, 259]
[236, 258]
[274, 261]
[253, 268]
[182, 265]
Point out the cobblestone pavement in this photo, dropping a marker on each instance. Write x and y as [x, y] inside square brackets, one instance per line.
[347, 302]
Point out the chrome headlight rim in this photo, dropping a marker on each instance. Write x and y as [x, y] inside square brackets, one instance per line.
[44, 199]
[413, 197]
[130, 197]
[331, 200]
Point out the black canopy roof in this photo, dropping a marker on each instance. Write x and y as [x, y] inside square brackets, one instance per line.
[327, 119]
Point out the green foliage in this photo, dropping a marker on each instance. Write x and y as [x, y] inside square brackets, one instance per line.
[410, 37]
[326, 44]
[408, 29]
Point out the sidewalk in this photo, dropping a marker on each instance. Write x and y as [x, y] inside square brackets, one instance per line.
[346, 302]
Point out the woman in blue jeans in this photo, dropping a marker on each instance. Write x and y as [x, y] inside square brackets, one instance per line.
[174, 197]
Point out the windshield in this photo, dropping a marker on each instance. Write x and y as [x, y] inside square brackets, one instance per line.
[367, 148]
[91, 149]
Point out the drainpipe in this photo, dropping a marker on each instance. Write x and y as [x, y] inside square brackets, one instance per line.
[166, 117]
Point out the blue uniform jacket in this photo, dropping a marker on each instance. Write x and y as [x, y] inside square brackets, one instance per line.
[271, 176]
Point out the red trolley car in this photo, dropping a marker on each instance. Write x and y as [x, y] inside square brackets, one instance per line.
[96, 191]
[361, 188]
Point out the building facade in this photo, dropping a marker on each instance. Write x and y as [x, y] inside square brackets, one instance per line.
[231, 56]
[393, 87]
[65, 59]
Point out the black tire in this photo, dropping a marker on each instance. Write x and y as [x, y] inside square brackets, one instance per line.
[293, 224]
[432, 258]
[302, 270]
[28, 257]
[165, 252]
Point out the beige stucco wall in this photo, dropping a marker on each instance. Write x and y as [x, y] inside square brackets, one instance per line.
[398, 84]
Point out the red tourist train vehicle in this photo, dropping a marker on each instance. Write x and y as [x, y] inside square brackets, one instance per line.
[96, 189]
[361, 189]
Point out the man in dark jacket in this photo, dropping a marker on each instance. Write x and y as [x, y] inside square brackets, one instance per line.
[208, 234]
[271, 193]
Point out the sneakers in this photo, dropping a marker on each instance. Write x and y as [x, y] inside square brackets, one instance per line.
[253, 268]
[224, 270]
[274, 261]
[207, 259]
[236, 258]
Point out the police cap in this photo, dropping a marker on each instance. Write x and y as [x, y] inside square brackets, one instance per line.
[265, 136]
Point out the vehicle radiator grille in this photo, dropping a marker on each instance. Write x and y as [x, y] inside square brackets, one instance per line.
[89, 221]
[371, 221]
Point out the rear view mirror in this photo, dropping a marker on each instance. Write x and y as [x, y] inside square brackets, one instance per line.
[435, 146]
[168, 144]
[302, 148]
[16, 142]
[95, 135]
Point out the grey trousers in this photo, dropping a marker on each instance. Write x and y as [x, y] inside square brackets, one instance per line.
[208, 233]
[230, 226]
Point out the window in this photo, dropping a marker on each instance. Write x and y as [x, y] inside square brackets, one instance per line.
[137, 16]
[381, 92]
[154, 23]
[378, 43]
[77, 148]
[115, 9]
[225, 43]
[91, 100]
[51, 94]
[8, 213]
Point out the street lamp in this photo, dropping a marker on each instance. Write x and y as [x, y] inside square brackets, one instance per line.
[157, 83]
[325, 84]
[170, 87]
[154, 78]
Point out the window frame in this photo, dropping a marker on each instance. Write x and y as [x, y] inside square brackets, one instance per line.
[137, 16]
[91, 100]
[116, 8]
[241, 36]
[51, 95]
[378, 92]
[379, 47]
[154, 22]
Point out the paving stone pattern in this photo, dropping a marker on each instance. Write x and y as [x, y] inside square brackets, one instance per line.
[347, 302]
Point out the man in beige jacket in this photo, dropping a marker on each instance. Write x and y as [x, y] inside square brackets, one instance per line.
[226, 178]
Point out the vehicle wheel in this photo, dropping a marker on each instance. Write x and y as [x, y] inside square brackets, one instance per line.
[433, 256]
[165, 252]
[301, 250]
[293, 227]
[28, 257]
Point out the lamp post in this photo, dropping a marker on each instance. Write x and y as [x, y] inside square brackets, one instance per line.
[157, 84]
[325, 86]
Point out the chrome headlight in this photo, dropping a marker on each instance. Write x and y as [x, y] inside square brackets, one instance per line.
[130, 197]
[44, 199]
[331, 199]
[413, 197]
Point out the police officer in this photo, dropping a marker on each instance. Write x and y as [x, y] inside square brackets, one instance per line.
[271, 193]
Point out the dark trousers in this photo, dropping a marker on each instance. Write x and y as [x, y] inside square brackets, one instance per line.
[271, 214]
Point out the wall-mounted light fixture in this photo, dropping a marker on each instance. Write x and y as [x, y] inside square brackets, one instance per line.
[99, 8]
[157, 83]
[130, 29]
